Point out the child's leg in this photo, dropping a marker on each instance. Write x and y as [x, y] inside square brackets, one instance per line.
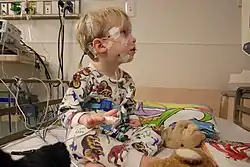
[88, 144]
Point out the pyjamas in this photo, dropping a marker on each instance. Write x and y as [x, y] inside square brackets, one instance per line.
[87, 90]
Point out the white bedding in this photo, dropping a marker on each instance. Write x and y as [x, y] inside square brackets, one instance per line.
[228, 131]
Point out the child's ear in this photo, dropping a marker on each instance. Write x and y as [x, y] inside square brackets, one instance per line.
[98, 46]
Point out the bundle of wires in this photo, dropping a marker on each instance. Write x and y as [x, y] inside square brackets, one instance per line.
[62, 7]
[39, 59]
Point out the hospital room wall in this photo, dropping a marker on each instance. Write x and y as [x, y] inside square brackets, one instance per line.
[181, 44]
[191, 44]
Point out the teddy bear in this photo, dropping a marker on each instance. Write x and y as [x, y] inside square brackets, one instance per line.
[185, 138]
[185, 134]
[184, 157]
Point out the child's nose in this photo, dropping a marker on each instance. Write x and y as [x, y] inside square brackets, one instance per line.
[133, 39]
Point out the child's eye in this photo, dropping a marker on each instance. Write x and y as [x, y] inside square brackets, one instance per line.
[124, 32]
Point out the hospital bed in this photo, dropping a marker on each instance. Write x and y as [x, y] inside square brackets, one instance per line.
[228, 131]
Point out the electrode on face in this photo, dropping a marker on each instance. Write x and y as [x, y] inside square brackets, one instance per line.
[114, 32]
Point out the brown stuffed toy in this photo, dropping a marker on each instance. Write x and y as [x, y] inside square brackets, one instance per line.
[185, 134]
[185, 158]
[185, 137]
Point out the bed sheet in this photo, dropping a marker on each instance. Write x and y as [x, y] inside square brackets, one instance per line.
[147, 110]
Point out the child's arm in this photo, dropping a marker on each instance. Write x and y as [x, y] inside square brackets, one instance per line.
[70, 108]
[129, 102]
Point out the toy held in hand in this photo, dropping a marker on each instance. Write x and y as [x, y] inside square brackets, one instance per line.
[184, 134]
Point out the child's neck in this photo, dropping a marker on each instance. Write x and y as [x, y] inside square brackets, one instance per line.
[106, 69]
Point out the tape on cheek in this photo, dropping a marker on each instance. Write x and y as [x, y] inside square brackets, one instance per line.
[109, 45]
[114, 32]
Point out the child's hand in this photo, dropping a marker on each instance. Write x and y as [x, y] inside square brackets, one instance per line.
[135, 122]
[92, 120]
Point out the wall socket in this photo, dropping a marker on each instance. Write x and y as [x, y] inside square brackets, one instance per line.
[47, 8]
[130, 8]
[4, 8]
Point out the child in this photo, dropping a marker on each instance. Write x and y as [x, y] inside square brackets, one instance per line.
[105, 35]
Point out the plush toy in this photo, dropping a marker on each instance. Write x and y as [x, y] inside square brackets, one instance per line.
[185, 158]
[184, 134]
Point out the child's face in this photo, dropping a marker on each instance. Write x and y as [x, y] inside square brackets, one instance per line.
[120, 46]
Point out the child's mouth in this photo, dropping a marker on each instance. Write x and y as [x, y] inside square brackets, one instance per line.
[133, 50]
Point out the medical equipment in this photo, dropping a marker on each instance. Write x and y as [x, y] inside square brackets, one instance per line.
[11, 42]
[10, 32]
[10, 37]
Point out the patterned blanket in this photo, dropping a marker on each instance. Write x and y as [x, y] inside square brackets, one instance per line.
[167, 114]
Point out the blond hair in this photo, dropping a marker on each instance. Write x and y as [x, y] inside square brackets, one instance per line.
[96, 24]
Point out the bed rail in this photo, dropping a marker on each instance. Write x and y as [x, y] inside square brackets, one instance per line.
[241, 110]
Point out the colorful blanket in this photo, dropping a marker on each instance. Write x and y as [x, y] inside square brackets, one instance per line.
[167, 114]
[224, 153]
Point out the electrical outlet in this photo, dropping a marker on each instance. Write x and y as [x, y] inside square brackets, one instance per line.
[130, 8]
[4, 8]
[48, 7]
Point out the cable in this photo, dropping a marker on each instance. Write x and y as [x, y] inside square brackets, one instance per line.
[62, 48]
[17, 104]
[38, 57]
[23, 114]
[58, 41]
[2, 51]
[61, 45]
[66, 6]
[48, 99]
